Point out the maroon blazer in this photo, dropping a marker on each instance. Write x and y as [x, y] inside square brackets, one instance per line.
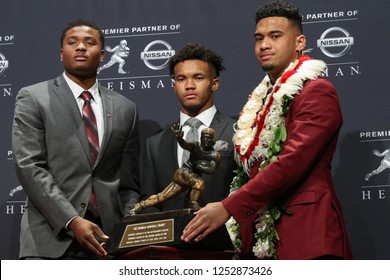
[301, 180]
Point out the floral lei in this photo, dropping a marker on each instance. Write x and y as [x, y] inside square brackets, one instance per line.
[259, 136]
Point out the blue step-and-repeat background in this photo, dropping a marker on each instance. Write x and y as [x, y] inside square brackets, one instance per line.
[351, 36]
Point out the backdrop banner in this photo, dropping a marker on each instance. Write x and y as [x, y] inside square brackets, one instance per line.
[339, 32]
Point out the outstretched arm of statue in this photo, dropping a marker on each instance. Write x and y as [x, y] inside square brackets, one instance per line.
[379, 154]
[109, 49]
[177, 129]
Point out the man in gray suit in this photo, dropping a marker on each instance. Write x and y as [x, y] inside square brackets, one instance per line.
[55, 163]
[195, 71]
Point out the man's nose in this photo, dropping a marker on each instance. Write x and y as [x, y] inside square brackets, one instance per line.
[81, 46]
[265, 44]
[190, 83]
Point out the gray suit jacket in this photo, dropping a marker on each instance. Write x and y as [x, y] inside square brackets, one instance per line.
[160, 163]
[51, 155]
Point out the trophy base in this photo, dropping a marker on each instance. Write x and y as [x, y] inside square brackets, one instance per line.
[163, 229]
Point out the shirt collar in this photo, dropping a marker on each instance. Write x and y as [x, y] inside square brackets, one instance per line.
[205, 117]
[77, 90]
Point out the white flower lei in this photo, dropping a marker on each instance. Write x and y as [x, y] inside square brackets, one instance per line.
[247, 131]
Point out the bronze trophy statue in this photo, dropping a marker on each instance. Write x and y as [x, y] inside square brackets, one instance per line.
[139, 231]
[203, 159]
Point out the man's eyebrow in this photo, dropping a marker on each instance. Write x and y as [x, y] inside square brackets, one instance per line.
[77, 37]
[276, 31]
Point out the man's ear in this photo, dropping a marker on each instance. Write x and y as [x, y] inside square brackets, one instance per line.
[300, 43]
[215, 84]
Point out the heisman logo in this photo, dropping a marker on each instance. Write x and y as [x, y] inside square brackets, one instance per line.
[119, 52]
[149, 54]
[385, 163]
[335, 46]
[3, 64]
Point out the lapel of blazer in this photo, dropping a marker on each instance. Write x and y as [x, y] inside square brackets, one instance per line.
[108, 111]
[64, 94]
[219, 124]
[170, 145]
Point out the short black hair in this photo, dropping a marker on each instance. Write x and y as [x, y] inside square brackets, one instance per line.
[280, 9]
[196, 52]
[82, 22]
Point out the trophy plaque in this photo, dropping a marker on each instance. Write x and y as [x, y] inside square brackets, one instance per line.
[163, 229]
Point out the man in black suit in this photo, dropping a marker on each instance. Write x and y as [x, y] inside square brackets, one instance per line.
[195, 71]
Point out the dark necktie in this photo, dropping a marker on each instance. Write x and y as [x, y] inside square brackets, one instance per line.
[90, 125]
[192, 135]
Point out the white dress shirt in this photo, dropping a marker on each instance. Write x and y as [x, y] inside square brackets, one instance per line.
[96, 103]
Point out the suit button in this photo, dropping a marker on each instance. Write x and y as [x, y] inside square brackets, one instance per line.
[83, 205]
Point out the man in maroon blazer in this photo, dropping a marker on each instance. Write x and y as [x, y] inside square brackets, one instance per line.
[284, 142]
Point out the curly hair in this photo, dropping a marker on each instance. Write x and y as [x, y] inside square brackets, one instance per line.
[280, 9]
[197, 52]
[82, 22]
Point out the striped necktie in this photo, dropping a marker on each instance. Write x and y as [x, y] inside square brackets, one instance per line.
[90, 125]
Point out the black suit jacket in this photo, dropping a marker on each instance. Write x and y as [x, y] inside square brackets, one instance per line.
[160, 163]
